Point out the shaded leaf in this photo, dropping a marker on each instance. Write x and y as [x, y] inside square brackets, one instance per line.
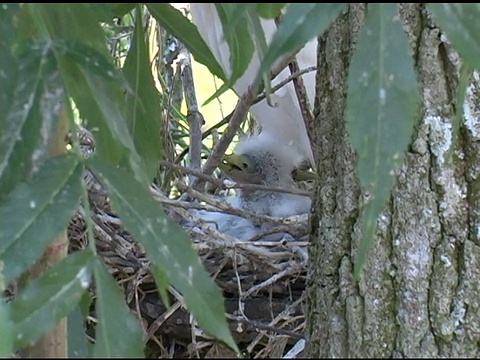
[269, 10]
[115, 10]
[77, 340]
[8, 65]
[90, 59]
[20, 124]
[39, 307]
[100, 102]
[238, 22]
[161, 280]
[181, 28]
[257, 31]
[301, 23]
[79, 21]
[168, 247]
[237, 35]
[144, 113]
[118, 333]
[78, 344]
[382, 102]
[38, 210]
[461, 25]
[6, 332]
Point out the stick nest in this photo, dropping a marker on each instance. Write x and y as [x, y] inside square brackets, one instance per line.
[262, 280]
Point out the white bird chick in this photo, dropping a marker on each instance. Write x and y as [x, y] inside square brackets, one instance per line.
[284, 121]
[263, 160]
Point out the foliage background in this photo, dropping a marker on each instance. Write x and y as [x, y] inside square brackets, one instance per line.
[59, 68]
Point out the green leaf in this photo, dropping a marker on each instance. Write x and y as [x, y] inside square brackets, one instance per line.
[144, 115]
[77, 340]
[460, 23]
[100, 102]
[6, 333]
[117, 10]
[180, 27]
[382, 103]
[237, 35]
[269, 11]
[167, 246]
[301, 23]
[79, 21]
[39, 307]
[161, 279]
[35, 212]
[257, 31]
[90, 59]
[118, 333]
[8, 65]
[20, 124]
[78, 344]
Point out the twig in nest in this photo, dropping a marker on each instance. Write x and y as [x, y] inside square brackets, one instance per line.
[279, 317]
[161, 319]
[267, 327]
[220, 184]
[290, 271]
[294, 221]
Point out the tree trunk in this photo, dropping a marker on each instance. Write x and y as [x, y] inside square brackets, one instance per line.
[419, 292]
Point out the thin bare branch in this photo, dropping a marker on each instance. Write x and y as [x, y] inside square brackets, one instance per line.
[286, 81]
[302, 98]
[218, 183]
[194, 117]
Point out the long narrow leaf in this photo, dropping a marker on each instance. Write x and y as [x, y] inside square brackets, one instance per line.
[118, 333]
[100, 101]
[21, 122]
[300, 24]
[382, 102]
[90, 59]
[6, 332]
[168, 247]
[269, 10]
[46, 300]
[460, 23]
[237, 35]
[144, 115]
[180, 27]
[8, 65]
[77, 339]
[35, 212]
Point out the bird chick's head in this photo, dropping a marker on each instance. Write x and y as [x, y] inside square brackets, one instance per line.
[261, 160]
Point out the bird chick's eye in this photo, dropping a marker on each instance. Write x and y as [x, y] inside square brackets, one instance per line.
[244, 165]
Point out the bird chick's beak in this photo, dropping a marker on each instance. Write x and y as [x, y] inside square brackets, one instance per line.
[302, 175]
[234, 166]
[231, 163]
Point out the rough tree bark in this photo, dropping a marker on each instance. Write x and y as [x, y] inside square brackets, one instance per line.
[419, 293]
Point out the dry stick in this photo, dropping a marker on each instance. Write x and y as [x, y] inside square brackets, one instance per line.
[194, 117]
[293, 221]
[302, 100]
[280, 316]
[220, 184]
[262, 326]
[286, 81]
[239, 114]
[289, 271]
